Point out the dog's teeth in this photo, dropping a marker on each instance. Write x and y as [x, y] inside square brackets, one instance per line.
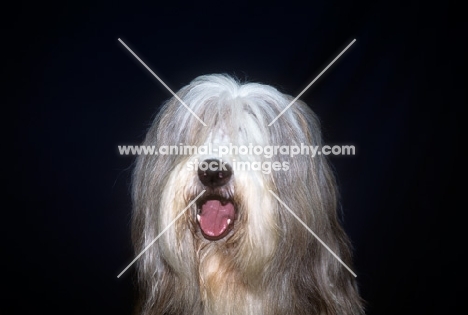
[229, 221]
[198, 217]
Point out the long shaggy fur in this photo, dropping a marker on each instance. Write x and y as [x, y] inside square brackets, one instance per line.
[268, 263]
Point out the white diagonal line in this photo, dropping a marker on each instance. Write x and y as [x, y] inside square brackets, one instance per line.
[303, 91]
[312, 232]
[162, 232]
[162, 82]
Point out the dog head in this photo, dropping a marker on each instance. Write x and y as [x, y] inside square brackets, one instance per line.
[215, 216]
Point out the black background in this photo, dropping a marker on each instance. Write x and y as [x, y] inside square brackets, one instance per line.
[74, 94]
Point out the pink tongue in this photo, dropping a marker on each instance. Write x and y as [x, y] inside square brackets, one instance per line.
[214, 218]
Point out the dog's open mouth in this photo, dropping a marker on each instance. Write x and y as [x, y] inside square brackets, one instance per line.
[216, 218]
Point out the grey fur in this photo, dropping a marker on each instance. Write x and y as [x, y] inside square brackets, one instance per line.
[298, 276]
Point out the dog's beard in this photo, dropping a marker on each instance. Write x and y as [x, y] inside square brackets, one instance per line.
[223, 242]
[238, 218]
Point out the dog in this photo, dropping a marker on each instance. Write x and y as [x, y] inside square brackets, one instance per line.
[224, 243]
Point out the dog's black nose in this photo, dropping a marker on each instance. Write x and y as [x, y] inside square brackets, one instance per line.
[214, 173]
